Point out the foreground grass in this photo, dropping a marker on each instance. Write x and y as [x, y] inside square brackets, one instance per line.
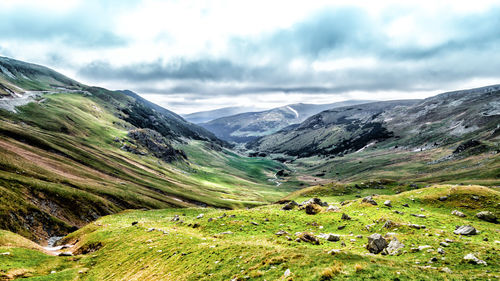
[157, 248]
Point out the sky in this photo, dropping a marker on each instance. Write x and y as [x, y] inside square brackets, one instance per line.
[191, 56]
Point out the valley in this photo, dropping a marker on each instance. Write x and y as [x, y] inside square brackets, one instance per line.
[299, 192]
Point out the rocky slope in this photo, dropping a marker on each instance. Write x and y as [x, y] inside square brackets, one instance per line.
[72, 153]
[441, 120]
[248, 126]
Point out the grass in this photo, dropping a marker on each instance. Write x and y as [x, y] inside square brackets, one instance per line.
[177, 251]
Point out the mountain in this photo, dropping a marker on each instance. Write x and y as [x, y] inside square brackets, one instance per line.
[436, 121]
[248, 126]
[209, 115]
[71, 153]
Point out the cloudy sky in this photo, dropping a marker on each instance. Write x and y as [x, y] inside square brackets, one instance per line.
[197, 55]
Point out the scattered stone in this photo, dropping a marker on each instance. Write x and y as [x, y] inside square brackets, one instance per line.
[210, 219]
[394, 247]
[485, 239]
[134, 222]
[398, 212]
[387, 203]
[196, 225]
[308, 237]
[290, 206]
[281, 232]
[151, 229]
[389, 224]
[443, 198]
[433, 259]
[448, 240]
[440, 251]
[416, 226]
[287, 273]
[254, 223]
[334, 251]
[475, 197]
[369, 200]
[369, 226]
[446, 270]
[444, 244]
[342, 244]
[406, 205]
[419, 215]
[376, 243]
[470, 258]
[65, 254]
[465, 230]
[313, 209]
[200, 216]
[330, 237]
[316, 201]
[487, 216]
[226, 233]
[359, 236]
[332, 208]
[340, 227]
[5, 254]
[458, 213]
[345, 216]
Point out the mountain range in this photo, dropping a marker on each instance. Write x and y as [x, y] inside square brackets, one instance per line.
[248, 126]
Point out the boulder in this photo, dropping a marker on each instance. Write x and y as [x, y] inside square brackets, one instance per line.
[330, 237]
[487, 216]
[389, 224]
[282, 232]
[393, 248]
[376, 243]
[345, 216]
[315, 201]
[416, 226]
[200, 216]
[465, 230]
[369, 200]
[470, 258]
[290, 205]
[308, 237]
[313, 209]
[332, 208]
[443, 198]
[388, 203]
[458, 213]
[418, 215]
[65, 254]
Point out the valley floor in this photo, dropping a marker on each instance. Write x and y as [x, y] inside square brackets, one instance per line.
[214, 244]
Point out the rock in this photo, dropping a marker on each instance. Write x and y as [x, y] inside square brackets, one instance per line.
[369, 200]
[290, 205]
[444, 244]
[369, 226]
[465, 230]
[175, 218]
[487, 216]
[458, 213]
[151, 229]
[376, 243]
[65, 254]
[440, 251]
[389, 224]
[387, 203]
[316, 201]
[393, 248]
[340, 227]
[418, 216]
[485, 239]
[313, 209]
[443, 198]
[470, 258]
[416, 226]
[406, 205]
[433, 259]
[200, 216]
[332, 208]
[475, 197]
[5, 254]
[254, 223]
[134, 222]
[334, 251]
[446, 270]
[330, 237]
[226, 233]
[398, 212]
[345, 216]
[287, 273]
[281, 232]
[308, 237]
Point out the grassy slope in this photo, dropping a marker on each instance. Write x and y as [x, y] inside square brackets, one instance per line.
[59, 154]
[185, 253]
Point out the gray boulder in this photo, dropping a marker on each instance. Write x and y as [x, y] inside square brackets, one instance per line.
[376, 243]
[388, 203]
[487, 216]
[458, 213]
[465, 230]
[369, 200]
[393, 248]
[330, 237]
[470, 258]
[345, 216]
[290, 205]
